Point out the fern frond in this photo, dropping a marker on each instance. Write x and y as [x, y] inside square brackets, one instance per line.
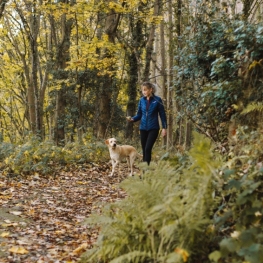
[134, 256]
[253, 107]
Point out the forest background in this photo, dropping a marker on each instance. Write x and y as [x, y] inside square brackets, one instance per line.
[70, 73]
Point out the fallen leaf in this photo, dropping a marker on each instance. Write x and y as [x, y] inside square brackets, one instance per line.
[80, 249]
[18, 250]
[5, 234]
[10, 224]
[17, 213]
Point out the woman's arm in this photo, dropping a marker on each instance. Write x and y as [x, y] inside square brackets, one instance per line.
[138, 116]
[162, 114]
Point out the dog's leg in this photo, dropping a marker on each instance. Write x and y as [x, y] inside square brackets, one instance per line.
[114, 163]
[132, 159]
[128, 162]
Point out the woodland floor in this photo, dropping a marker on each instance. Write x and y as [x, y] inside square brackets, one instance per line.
[41, 217]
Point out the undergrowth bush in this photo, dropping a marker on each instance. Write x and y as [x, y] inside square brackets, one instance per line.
[5, 150]
[239, 217]
[42, 157]
[167, 215]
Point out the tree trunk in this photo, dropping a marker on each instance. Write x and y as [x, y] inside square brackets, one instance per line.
[149, 45]
[104, 107]
[188, 134]
[59, 132]
[62, 58]
[180, 124]
[2, 7]
[132, 84]
[36, 84]
[163, 72]
[106, 90]
[247, 8]
[170, 95]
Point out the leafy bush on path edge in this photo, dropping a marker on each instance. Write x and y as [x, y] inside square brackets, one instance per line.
[43, 157]
[201, 207]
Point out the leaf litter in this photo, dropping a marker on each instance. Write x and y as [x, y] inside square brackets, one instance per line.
[41, 216]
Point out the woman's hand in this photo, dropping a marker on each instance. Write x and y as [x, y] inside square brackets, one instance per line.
[164, 132]
[129, 118]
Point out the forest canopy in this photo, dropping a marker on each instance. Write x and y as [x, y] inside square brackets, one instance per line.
[72, 69]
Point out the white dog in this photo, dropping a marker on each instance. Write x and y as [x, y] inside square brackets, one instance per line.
[118, 152]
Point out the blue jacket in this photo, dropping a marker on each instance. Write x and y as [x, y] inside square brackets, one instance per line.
[148, 114]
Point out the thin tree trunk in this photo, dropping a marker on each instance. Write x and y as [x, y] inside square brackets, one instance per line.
[188, 134]
[170, 106]
[134, 71]
[181, 128]
[131, 105]
[163, 71]
[35, 86]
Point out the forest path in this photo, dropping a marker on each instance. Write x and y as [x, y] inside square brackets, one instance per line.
[41, 216]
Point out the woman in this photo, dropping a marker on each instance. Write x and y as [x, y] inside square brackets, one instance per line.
[149, 108]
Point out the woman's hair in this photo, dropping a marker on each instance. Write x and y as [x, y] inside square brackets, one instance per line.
[149, 85]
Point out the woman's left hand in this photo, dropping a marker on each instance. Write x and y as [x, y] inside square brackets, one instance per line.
[164, 132]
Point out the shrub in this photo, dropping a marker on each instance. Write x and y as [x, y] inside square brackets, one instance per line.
[42, 157]
[239, 218]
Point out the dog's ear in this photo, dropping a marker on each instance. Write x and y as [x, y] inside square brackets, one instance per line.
[107, 141]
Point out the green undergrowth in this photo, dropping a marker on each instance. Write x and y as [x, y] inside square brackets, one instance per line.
[238, 219]
[197, 207]
[167, 215]
[45, 157]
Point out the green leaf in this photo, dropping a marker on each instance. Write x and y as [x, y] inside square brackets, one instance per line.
[215, 256]
[229, 244]
[253, 254]
[233, 184]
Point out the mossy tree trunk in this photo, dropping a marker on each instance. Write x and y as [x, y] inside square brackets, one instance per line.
[133, 61]
[131, 90]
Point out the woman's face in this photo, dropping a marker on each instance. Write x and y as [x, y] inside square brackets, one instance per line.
[147, 92]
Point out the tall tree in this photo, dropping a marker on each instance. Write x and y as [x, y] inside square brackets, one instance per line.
[62, 41]
[31, 26]
[134, 58]
[106, 83]
[170, 93]
[150, 41]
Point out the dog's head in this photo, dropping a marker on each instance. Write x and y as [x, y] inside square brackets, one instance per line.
[112, 143]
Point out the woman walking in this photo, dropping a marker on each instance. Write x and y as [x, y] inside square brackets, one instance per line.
[150, 107]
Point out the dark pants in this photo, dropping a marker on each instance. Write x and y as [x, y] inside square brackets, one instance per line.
[148, 139]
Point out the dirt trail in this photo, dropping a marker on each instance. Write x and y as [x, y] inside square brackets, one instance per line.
[41, 216]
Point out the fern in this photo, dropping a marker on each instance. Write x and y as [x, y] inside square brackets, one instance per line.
[168, 210]
[252, 108]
